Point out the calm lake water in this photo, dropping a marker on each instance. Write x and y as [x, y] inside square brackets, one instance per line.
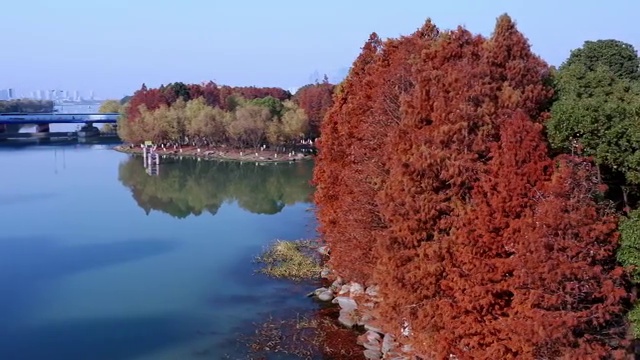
[100, 260]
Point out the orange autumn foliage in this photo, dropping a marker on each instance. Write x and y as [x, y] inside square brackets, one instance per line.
[315, 100]
[352, 254]
[434, 182]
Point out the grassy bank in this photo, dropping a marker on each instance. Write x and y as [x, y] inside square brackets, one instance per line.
[294, 260]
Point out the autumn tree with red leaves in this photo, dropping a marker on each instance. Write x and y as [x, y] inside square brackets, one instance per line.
[214, 95]
[315, 99]
[210, 116]
[341, 227]
[435, 183]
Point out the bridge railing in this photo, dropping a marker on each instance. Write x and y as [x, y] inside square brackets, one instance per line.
[52, 118]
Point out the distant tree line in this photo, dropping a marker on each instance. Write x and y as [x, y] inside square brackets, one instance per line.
[212, 115]
[26, 106]
[482, 191]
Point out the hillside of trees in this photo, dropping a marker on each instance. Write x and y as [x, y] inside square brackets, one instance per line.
[211, 115]
[482, 191]
[26, 106]
[188, 187]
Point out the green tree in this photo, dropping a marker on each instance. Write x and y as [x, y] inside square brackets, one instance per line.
[110, 106]
[274, 105]
[629, 252]
[290, 127]
[203, 121]
[597, 107]
[250, 125]
[108, 129]
[619, 57]
[275, 134]
[295, 122]
[629, 256]
[232, 102]
[180, 90]
[597, 113]
[178, 121]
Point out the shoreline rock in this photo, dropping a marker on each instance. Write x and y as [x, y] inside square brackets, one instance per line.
[226, 154]
[357, 305]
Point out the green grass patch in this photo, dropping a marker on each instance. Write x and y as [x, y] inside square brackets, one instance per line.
[294, 260]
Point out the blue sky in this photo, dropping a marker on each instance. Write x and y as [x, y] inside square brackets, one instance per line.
[113, 46]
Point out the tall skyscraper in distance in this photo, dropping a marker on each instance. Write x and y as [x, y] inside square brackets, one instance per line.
[42, 95]
[91, 95]
[10, 93]
[76, 95]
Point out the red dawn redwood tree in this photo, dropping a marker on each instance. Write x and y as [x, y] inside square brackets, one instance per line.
[546, 212]
[433, 159]
[486, 247]
[315, 100]
[389, 81]
[211, 94]
[151, 98]
[383, 71]
[339, 222]
[533, 273]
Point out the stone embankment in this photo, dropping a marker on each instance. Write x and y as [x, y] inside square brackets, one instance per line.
[357, 308]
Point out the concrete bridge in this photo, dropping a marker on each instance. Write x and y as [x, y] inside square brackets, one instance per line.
[55, 118]
[9, 122]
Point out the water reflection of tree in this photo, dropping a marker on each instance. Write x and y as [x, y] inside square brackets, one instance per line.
[189, 187]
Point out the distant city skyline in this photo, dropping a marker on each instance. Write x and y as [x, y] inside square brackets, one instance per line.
[115, 46]
[52, 94]
[43, 94]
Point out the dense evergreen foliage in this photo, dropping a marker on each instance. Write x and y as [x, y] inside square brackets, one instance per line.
[435, 182]
[598, 106]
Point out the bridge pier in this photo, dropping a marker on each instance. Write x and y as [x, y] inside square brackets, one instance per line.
[88, 130]
[42, 128]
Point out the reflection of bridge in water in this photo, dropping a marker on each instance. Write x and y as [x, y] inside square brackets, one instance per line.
[11, 123]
